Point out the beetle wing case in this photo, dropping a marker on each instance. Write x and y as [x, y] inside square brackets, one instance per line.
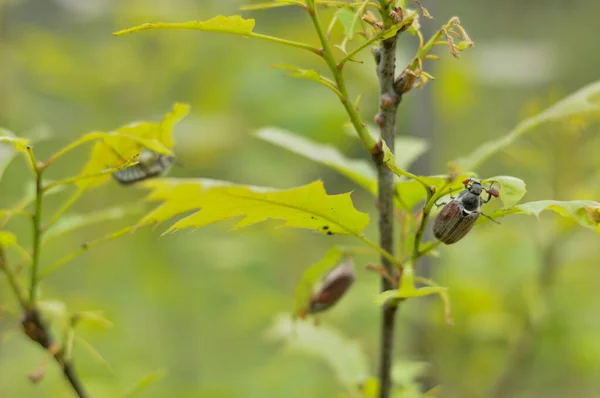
[451, 225]
[144, 171]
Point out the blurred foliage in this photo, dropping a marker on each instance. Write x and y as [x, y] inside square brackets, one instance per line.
[198, 305]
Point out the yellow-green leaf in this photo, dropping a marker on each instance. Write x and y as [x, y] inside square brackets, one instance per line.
[309, 74]
[145, 382]
[511, 189]
[312, 275]
[117, 148]
[359, 171]
[20, 144]
[10, 145]
[92, 352]
[349, 20]
[235, 25]
[96, 317]
[582, 103]
[307, 207]
[344, 356]
[585, 212]
[407, 148]
[7, 239]
[71, 222]
[407, 289]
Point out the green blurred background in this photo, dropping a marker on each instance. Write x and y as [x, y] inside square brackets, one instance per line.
[198, 305]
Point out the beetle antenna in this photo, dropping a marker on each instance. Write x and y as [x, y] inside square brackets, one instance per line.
[490, 218]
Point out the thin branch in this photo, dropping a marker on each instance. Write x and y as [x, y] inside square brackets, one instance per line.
[37, 331]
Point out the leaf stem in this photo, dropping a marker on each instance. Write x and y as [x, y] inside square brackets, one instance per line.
[286, 42]
[384, 253]
[63, 209]
[84, 248]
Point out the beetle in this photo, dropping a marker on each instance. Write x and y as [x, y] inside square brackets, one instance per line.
[150, 164]
[334, 286]
[458, 216]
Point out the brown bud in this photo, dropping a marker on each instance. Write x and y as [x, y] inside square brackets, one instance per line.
[405, 82]
[388, 101]
[396, 14]
[379, 119]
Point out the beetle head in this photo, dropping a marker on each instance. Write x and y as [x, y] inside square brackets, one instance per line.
[473, 185]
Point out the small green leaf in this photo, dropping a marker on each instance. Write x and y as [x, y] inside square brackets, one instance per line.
[577, 210]
[349, 21]
[235, 25]
[312, 275]
[309, 74]
[371, 388]
[308, 207]
[359, 171]
[96, 317]
[408, 289]
[92, 352]
[8, 152]
[585, 212]
[20, 144]
[144, 383]
[511, 189]
[71, 222]
[345, 357]
[408, 150]
[7, 239]
[582, 103]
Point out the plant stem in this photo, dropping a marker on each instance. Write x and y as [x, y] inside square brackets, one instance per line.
[368, 141]
[37, 236]
[12, 279]
[386, 70]
[37, 331]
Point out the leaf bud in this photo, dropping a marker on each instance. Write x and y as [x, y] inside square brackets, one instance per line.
[405, 82]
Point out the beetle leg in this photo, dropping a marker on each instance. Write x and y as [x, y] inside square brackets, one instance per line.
[490, 218]
[441, 204]
[488, 199]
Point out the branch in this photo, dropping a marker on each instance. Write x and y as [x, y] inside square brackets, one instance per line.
[37, 331]
[386, 119]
